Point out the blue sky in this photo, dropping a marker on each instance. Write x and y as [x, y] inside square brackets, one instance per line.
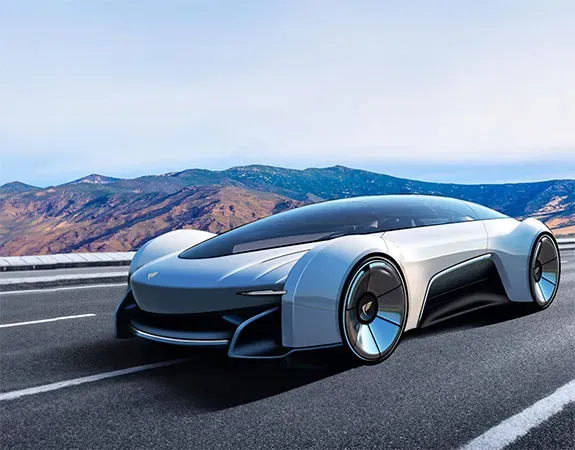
[474, 91]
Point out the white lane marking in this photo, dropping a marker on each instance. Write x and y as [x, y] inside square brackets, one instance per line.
[90, 379]
[519, 425]
[55, 319]
[67, 288]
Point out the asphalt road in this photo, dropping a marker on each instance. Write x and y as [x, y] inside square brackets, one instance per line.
[442, 387]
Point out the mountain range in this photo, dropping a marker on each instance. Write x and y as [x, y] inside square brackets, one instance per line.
[99, 213]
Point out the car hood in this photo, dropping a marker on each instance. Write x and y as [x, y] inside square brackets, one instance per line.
[173, 285]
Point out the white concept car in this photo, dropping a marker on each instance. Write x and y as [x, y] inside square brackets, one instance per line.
[355, 272]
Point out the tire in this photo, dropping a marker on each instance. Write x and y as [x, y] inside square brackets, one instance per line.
[373, 310]
[544, 270]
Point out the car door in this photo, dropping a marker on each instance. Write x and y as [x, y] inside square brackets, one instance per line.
[429, 248]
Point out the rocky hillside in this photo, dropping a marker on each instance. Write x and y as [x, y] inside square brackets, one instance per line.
[98, 213]
[16, 188]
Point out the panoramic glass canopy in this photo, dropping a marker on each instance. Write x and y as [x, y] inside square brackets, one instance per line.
[321, 221]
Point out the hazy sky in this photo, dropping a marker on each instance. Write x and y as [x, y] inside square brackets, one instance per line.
[463, 91]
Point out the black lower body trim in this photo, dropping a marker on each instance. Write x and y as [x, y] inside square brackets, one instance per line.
[475, 287]
[253, 332]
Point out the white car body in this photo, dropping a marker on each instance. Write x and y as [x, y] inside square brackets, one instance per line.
[445, 270]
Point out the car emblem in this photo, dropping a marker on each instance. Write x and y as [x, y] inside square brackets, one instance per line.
[365, 308]
[152, 275]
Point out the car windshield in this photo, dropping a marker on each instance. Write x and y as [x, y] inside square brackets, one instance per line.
[328, 220]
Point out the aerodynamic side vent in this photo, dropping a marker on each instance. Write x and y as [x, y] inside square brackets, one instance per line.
[467, 287]
[259, 337]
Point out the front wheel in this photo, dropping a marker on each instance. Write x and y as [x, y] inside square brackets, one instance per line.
[374, 310]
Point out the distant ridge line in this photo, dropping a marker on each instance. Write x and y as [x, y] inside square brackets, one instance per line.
[98, 213]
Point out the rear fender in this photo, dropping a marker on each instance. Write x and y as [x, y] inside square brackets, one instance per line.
[511, 243]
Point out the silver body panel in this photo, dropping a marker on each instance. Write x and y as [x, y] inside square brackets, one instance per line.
[423, 252]
[314, 287]
[511, 242]
[171, 285]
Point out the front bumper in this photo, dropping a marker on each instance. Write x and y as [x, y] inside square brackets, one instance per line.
[251, 332]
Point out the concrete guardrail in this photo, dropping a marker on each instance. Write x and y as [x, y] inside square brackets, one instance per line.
[566, 244]
[65, 261]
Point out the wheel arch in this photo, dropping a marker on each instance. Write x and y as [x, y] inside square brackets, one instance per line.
[511, 243]
[314, 286]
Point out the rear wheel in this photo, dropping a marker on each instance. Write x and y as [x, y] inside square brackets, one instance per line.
[544, 270]
[374, 310]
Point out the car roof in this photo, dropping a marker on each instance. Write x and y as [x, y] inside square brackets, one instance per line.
[390, 200]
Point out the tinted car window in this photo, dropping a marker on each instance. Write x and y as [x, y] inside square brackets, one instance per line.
[416, 211]
[327, 220]
[450, 211]
[484, 213]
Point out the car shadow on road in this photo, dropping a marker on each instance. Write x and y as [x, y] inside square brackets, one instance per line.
[212, 381]
[481, 318]
[207, 379]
